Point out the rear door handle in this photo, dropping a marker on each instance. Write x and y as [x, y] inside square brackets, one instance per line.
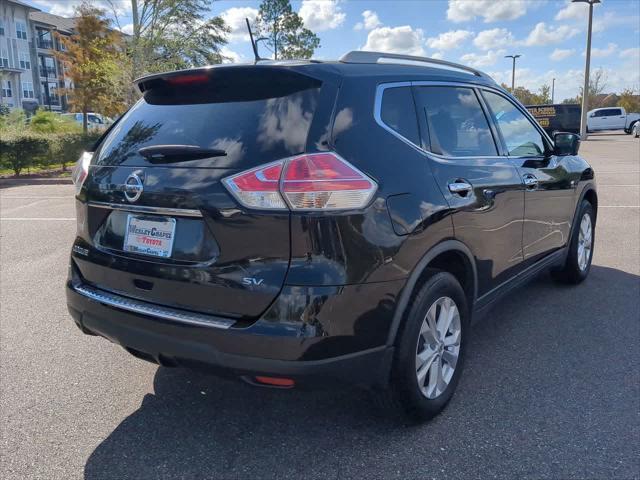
[460, 188]
[530, 181]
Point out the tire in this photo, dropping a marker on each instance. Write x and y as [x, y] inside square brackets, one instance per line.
[580, 254]
[442, 357]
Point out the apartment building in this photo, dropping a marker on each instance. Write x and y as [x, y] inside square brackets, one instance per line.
[52, 81]
[30, 75]
[16, 59]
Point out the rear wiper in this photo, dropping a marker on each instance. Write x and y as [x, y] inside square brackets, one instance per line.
[178, 153]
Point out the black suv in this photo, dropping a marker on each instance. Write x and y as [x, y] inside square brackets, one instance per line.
[291, 223]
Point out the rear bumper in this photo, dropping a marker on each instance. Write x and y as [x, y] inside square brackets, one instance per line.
[231, 351]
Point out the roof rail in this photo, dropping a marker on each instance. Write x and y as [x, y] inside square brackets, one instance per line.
[359, 56]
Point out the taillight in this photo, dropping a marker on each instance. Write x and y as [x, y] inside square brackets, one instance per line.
[81, 170]
[319, 181]
[258, 188]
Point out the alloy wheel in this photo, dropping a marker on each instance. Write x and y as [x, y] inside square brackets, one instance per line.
[438, 347]
[585, 240]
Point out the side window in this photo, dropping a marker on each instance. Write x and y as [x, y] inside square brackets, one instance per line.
[398, 112]
[521, 137]
[614, 112]
[457, 124]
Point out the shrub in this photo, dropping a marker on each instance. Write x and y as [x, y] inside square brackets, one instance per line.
[20, 148]
[48, 122]
[15, 118]
[69, 146]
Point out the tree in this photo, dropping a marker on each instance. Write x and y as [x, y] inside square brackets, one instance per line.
[92, 62]
[629, 100]
[595, 96]
[284, 30]
[171, 35]
[544, 94]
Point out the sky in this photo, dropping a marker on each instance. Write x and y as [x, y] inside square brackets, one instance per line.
[550, 35]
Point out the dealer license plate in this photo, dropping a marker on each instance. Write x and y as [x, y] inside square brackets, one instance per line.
[150, 235]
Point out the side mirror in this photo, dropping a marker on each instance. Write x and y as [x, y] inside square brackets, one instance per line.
[566, 143]
[592, 115]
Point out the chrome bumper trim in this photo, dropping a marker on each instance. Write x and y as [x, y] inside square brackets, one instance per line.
[150, 309]
[177, 212]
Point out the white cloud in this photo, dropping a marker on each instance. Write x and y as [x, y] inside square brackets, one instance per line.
[66, 8]
[128, 29]
[541, 35]
[578, 13]
[569, 82]
[320, 15]
[604, 52]
[437, 55]
[449, 40]
[234, 17]
[611, 19]
[482, 60]
[631, 54]
[370, 21]
[494, 38]
[573, 11]
[489, 10]
[560, 54]
[233, 57]
[402, 39]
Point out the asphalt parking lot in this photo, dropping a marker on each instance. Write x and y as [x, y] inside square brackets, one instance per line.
[551, 387]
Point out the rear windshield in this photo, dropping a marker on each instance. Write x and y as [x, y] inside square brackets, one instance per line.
[251, 132]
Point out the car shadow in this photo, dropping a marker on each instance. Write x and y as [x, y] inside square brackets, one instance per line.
[540, 343]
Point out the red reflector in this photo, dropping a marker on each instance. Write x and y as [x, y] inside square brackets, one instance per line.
[275, 381]
[187, 79]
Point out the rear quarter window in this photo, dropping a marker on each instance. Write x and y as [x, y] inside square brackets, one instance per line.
[397, 111]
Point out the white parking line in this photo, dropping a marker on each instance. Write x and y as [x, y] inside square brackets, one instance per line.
[34, 197]
[36, 219]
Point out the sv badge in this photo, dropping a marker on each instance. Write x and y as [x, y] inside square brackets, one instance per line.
[252, 281]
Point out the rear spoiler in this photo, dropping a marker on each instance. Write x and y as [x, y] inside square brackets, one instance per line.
[225, 83]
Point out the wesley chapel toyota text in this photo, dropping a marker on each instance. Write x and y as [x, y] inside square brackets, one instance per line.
[301, 222]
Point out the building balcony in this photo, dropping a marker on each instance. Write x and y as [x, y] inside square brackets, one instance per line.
[54, 100]
[4, 67]
[48, 72]
[46, 44]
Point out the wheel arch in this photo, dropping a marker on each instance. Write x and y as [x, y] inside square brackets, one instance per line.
[588, 193]
[591, 195]
[451, 256]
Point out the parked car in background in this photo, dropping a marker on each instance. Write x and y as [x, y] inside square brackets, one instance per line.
[94, 120]
[612, 118]
[558, 117]
[323, 221]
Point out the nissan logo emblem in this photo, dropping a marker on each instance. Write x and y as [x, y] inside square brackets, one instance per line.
[133, 187]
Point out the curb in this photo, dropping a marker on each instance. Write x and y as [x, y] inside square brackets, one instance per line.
[15, 182]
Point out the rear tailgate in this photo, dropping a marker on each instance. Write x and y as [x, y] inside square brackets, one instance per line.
[222, 259]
